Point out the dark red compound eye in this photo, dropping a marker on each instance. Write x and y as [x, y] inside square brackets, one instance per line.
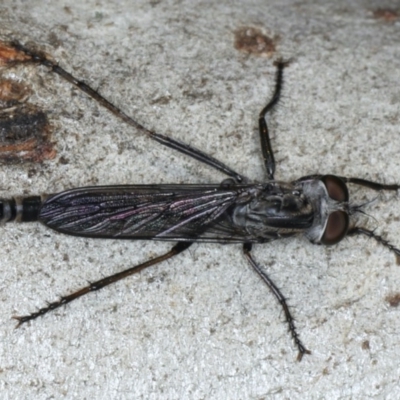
[336, 228]
[338, 221]
[336, 188]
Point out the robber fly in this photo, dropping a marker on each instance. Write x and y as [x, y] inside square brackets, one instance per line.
[238, 210]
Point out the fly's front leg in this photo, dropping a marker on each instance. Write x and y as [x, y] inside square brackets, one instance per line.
[266, 148]
[371, 234]
[377, 186]
[281, 298]
[178, 248]
[371, 184]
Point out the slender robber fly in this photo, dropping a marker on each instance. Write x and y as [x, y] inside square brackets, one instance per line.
[238, 210]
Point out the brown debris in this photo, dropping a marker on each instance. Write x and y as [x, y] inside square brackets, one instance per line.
[9, 55]
[254, 41]
[25, 135]
[393, 299]
[12, 92]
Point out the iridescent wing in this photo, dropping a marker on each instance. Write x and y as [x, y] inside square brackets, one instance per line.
[159, 212]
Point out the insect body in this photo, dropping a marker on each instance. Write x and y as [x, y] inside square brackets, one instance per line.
[235, 211]
[251, 213]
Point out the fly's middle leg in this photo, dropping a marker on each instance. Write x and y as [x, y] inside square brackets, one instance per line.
[268, 154]
[281, 298]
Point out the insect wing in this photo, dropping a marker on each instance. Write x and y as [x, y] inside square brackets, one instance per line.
[161, 212]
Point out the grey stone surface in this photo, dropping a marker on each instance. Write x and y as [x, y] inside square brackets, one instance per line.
[203, 325]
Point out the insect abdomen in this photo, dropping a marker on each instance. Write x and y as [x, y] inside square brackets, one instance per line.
[20, 209]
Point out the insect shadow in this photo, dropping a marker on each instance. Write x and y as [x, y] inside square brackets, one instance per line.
[238, 210]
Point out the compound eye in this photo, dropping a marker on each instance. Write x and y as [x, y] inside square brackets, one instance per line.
[336, 228]
[336, 188]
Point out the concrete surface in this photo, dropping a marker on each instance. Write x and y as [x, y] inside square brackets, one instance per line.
[203, 326]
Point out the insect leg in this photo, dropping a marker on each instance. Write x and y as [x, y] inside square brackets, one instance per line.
[178, 248]
[266, 148]
[279, 296]
[41, 58]
[362, 231]
[366, 232]
[370, 184]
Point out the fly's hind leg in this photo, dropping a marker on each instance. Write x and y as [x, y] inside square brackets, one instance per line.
[22, 53]
[178, 248]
